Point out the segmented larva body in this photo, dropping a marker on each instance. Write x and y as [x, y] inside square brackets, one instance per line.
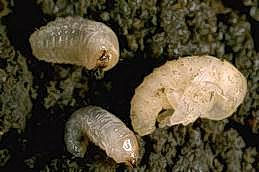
[105, 130]
[75, 40]
[180, 91]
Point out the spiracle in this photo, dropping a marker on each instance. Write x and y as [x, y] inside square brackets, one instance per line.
[75, 40]
[95, 124]
[181, 91]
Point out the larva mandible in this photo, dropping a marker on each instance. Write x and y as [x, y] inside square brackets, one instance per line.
[180, 91]
[105, 130]
[75, 40]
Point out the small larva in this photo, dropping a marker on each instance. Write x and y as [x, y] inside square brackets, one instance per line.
[183, 90]
[75, 40]
[105, 130]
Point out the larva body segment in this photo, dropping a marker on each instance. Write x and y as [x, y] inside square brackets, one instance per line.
[105, 130]
[183, 90]
[75, 40]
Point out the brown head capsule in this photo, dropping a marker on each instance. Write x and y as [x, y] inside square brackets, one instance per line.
[105, 130]
[183, 90]
[75, 40]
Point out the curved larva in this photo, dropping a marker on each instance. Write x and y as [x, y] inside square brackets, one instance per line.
[183, 90]
[105, 130]
[75, 40]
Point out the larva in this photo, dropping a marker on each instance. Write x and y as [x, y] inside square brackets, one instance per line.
[105, 130]
[180, 91]
[75, 40]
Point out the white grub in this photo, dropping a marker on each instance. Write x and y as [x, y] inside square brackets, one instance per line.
[105, 130]
[180, 91]
[75, 40]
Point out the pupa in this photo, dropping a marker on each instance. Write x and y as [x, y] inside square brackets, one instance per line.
[181, 91]
[92, 123]
[75, 40]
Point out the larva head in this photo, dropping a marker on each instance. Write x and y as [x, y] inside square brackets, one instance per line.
[127, 151]
[103, 49]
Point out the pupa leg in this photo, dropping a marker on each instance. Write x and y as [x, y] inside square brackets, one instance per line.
[197, 100]
[222, 108]
[171, 96]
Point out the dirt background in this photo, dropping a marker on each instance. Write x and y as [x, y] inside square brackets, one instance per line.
[37, 98]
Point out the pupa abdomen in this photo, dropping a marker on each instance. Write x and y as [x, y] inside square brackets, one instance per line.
[75, 40]
[180, 91]
[105, 130]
